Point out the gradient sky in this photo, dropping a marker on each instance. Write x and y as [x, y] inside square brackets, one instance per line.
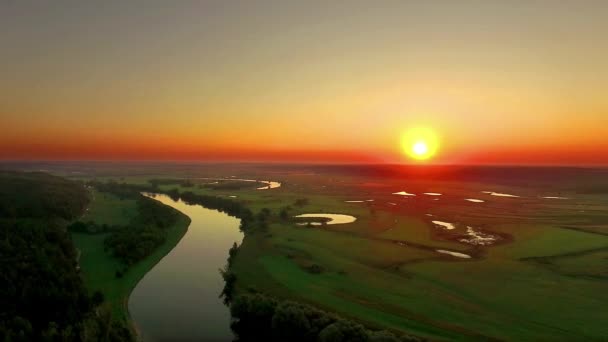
[339, 81]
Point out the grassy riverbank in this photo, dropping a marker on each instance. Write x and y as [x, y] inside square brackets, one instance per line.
[99, 267]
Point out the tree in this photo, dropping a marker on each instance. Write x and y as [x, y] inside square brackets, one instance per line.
[97, 298]
[344, 331]
[284, 213]
[289, 323]
[229, 282]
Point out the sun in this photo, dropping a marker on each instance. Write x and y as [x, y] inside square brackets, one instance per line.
[420, 148]
[420, 143]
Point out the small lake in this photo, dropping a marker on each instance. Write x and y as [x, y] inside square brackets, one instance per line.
[333, 219]
[178, 300]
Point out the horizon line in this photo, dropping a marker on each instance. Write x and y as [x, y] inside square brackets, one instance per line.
[277, 162]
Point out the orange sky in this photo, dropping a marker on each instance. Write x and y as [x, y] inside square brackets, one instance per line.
[498, 81]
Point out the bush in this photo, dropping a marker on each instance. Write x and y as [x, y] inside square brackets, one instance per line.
[314, 269]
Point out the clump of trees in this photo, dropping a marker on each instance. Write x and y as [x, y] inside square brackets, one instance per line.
[284, 214]
[146, 231]
[257, 317]
[42, 295]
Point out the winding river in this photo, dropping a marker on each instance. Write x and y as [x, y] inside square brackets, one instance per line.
[178, 300]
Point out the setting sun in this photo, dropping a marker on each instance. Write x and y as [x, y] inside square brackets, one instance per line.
[420, 148]
[420, 143]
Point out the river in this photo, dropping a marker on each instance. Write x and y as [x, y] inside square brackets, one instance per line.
[178, 299]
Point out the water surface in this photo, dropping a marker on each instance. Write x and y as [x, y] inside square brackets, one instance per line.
[454, 254]
[403, 193]
[333, 218]
[178, 299]
[446, 225]
[498, 194]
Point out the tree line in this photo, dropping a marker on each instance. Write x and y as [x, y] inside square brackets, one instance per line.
[257, 317]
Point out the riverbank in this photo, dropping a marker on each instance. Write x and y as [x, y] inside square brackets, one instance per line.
[99, 268]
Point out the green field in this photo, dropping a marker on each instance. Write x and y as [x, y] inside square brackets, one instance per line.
[544, 278]
[108, 209]
[99, 267]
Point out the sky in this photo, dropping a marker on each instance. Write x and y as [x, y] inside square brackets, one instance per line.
[499, 82]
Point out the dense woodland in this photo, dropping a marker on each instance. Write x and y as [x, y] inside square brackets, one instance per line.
[42, 295]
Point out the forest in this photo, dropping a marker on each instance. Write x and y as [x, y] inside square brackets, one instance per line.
[35, 250]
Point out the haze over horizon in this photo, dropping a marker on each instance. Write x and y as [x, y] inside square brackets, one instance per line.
[500, 82]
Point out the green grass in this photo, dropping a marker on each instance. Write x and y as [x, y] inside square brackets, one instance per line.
[593, 264]
[539, 240]
[109, 209]
[99, 267]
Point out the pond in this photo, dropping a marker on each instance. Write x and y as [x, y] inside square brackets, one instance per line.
[332, 218]
[454, 254]
[178, 300]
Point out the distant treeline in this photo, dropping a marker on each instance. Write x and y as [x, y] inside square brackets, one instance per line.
[220, 184]
[42, 297]
[257, 317]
